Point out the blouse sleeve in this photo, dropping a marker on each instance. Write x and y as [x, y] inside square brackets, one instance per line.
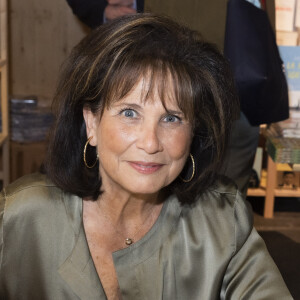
[251, 273]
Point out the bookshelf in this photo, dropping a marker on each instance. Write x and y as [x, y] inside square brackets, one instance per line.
[4, 139]
[283, 140]
[269, 192]
[277, 161]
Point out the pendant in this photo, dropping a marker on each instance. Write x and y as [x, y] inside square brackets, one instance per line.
[128, 241]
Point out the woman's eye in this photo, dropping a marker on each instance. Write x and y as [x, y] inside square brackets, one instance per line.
[171, 119]
[128, 113]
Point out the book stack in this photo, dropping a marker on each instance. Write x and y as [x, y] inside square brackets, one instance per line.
[287, 22]
[28, 121]
[284, 150]
[286, 129]
[283, 139]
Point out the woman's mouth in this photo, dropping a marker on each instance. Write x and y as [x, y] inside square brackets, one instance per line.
[145, 167]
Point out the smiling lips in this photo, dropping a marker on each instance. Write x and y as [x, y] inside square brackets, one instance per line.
[145, 167]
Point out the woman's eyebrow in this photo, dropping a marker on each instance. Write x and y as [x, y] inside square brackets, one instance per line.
[139, 107]
[131, 105]
[174, 112]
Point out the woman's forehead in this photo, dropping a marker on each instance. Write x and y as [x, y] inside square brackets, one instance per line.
[153, 84]
[147, 89]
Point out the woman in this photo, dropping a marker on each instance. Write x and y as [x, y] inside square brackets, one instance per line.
[130, 206]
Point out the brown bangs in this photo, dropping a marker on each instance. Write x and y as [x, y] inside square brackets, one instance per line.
[168, 80]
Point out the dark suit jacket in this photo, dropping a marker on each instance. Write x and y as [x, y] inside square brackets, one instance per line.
[250, 46]
[91, 12]
[207, 17]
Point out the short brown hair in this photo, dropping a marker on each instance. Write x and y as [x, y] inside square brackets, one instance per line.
[107, 64]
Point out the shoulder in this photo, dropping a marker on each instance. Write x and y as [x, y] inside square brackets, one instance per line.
[223, 213]
[29, 195]
[44, 220]
[222, 196]
[224, 192]
[36, 180]
[35, 197]
[29, 189]
[34, 204]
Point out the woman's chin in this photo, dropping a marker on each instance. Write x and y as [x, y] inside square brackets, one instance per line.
[144, 188]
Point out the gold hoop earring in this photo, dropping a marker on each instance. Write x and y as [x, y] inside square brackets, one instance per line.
[193, 174]
[84, 155]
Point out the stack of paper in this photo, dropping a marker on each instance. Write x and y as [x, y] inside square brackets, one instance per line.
[28, 121]
[288, 129]
[284, 150]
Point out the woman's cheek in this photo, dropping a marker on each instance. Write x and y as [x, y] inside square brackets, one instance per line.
[115, 136]
[178, 142]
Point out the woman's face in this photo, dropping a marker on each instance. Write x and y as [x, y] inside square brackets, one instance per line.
[142, 147]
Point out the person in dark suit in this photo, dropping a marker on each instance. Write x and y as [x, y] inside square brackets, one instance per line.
[95, 12]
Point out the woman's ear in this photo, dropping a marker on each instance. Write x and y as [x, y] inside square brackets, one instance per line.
[91, 124]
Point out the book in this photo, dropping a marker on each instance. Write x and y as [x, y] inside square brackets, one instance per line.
[297, 17]
[291, 59]
[289, 128]
[284, 14]
[287, 38]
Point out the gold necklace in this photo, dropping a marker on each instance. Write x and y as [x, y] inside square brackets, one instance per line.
[128, 241]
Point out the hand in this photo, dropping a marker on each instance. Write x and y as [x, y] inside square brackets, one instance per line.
[118, 8]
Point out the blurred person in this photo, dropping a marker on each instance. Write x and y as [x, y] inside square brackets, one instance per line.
[288, 181]
[95, 12]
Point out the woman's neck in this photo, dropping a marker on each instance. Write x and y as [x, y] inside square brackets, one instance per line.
[124, 207]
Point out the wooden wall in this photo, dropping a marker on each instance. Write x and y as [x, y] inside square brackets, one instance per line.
[41, 35]
[208, 17]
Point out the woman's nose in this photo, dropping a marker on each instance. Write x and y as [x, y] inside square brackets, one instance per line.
[148, 139]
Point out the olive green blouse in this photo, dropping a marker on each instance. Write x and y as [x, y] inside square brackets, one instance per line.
[205, 251]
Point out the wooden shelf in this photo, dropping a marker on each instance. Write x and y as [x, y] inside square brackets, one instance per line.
[287, 193]
[4, 140]
[268, 188]
[258, 192]
[261, 192]
[2, 62]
